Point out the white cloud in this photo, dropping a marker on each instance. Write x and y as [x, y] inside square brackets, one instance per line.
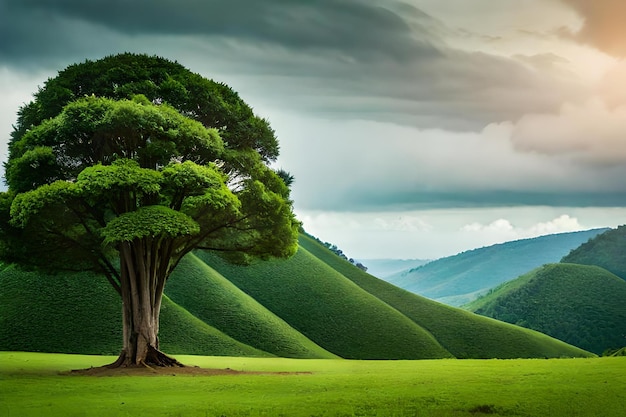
[498, 226]
[432, 234]
[563, 223]
[502, 230]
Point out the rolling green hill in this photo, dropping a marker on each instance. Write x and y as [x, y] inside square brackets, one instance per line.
[330, 309]
[605, 250]
[459, 279]
[314, 305]
[216, 301]
[464, 334]
[582, 305]
[81, 313]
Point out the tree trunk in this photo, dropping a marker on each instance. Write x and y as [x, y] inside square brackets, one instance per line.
[142, 282]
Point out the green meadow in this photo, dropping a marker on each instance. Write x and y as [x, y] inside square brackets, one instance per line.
[36, 384]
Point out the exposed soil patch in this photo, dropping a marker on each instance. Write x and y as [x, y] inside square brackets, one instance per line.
[168, 371]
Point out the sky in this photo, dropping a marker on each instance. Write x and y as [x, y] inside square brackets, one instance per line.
[414, 128]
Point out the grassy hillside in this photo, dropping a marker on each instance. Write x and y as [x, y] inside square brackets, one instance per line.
[59, 313]
[80, 312]
[464, 334]
[216, 301]
[582, 305]
[605, 250]
[459, 279]
[181, 332]
[306, 307]
[330, 309]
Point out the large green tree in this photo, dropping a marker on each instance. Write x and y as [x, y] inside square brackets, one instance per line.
[126, 164]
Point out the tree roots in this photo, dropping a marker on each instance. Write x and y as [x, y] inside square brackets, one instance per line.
[154, 359]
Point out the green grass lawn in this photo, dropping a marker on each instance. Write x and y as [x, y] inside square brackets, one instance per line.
[32, 385]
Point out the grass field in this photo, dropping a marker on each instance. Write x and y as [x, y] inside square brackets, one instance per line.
[33, 385]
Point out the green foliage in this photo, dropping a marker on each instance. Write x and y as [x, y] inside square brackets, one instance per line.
[30, 204]
[459, 279]
[605, 250]
[582, 305]
[100, 151]
[99, 183]
[287, 178]
[161, 81]
[149, 221]
[98, 130]
[191, 179]
[26, 171]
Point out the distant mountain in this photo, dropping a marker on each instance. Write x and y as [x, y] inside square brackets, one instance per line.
[314, 305]
[382, 268]
[459, 279]
[579, 304]
[605, 250]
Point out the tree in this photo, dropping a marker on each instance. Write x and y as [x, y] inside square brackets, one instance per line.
[287, 178]
[120, 166]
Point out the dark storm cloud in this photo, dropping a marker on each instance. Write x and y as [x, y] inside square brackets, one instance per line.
[403, 195]
[384, 61]
[480, 199]
[457, 91]
[353, 27]
[36, 38]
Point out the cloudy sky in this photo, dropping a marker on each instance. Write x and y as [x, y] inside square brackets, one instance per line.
[414, 128]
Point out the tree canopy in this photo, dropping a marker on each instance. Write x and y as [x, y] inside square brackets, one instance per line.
[162, 81]
[126, 164]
